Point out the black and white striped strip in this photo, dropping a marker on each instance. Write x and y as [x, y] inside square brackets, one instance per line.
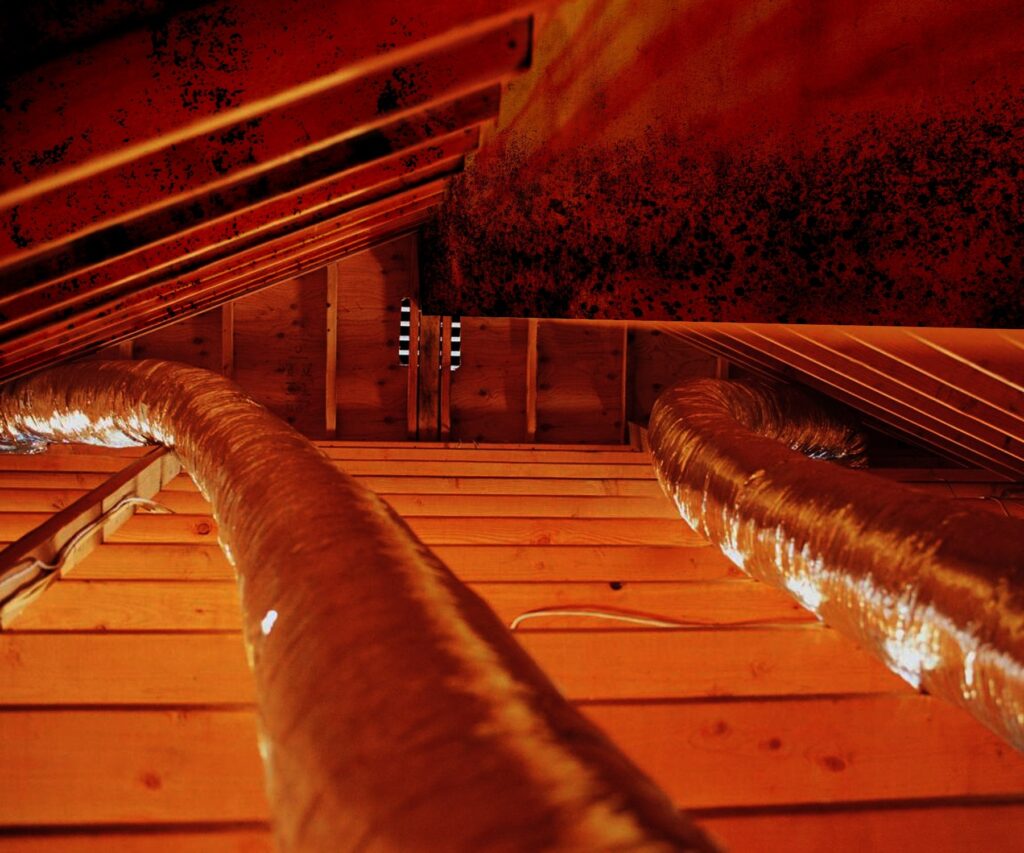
[404, 330]
[456, 342]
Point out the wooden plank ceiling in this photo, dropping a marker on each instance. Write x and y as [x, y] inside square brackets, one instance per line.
[168, 169]
[127, 717]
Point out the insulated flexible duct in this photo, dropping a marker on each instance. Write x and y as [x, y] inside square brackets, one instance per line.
[932, 587]
[396, 711]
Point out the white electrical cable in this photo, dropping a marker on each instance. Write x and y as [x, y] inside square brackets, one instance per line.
[31, 567]
[637, 618]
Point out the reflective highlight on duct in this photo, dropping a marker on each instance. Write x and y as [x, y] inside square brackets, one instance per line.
[933, 587]
[395, 708]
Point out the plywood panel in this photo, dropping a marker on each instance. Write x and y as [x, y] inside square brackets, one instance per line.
[656, 362]
[371, 387]
[281, 349]
[488, 392]
[195, 340]
[579, 381]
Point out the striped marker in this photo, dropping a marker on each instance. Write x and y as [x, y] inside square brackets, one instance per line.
[404, 330]
[456, 342]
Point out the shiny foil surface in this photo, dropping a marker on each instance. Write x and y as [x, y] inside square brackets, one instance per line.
[931, 586]
[396, 710]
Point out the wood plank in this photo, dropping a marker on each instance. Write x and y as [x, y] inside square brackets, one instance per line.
[331, 363]
[532, 506]
[372, 388]
[462, 445]
[531, 380]
[428, 385]
[41, 491]
[216, 839]
[499, 469]
[76, 605]
[89, 767]
[469, 562]
[227, 339]
[412, 388]
[659, 360]
[579, 381]
[624, 380]
[939, 827]
[196, 340]
[210, 669]
[432, 530]
[108, 767]
[777, 752]
[675, 664]
[429, 466]
[568, 486]
[489, 453]
[445, 401]
[124, 669]
[64, 484]
[466, 504]
[280, 349]
[488, 390]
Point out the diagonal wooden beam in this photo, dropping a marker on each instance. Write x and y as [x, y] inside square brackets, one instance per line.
[69, 535]
[231, 277]
[25, 305]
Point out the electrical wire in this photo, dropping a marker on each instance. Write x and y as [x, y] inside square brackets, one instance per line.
[32, 567]
[637, 618]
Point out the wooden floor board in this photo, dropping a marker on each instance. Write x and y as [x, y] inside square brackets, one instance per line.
[190, 605]
[555, 563]
[208, 669]
[131, 766]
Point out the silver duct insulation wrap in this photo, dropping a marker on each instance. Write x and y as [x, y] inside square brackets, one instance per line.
[935, 589]
[396, 711]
